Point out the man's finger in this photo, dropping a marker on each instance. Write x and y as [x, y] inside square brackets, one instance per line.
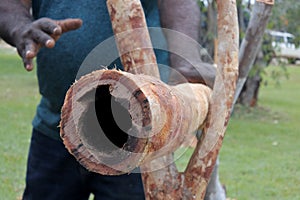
[48, 26]
[42, 38]
[69, 24]
[30, 52]
[28, 64]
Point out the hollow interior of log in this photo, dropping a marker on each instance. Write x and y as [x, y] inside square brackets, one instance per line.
[106, 122]
[106, 126]
[113, 118]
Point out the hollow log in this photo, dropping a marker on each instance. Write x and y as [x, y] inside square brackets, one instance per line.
[115, 121]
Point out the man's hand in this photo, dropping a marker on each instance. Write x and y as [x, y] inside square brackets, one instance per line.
[18, 29]
[200, 73]
[44, 32]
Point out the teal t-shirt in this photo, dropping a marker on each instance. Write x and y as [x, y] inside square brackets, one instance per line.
[57, 68]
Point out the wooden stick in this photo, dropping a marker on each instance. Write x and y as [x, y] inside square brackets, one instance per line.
[132, 37]
[201, 164]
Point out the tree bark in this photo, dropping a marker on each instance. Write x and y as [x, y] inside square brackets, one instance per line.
[203, 160]
[132, 37]
[249, 93]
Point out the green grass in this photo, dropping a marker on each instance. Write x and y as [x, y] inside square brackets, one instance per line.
[260, 157]
[18, 97]
[260, 154]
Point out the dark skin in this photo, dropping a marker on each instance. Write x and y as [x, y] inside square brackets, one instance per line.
[20, 30]
[28, 36]
[184, 16]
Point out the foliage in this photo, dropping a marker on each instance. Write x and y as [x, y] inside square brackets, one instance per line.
[285, 17]
[208, 28]
[264, 61]
[266, 53]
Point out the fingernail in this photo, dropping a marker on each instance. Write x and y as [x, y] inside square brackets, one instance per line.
[49, 43]
[56, 31]
[29, 67]
[29, 54]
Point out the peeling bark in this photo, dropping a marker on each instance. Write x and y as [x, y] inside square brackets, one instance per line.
[125, 6]
[201, 164]
[132, 37]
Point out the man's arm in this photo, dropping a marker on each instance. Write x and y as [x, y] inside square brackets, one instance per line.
[184, 16]
[18, 29]
[12, 13]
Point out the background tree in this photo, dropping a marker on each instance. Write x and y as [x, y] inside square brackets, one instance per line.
[208, 37]
[285, 18]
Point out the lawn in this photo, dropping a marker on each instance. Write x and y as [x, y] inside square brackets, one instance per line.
[18, 96]
[260, 157]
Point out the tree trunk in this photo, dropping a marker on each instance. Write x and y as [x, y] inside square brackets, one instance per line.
[252, 41]
[249, 93]
[200, 167]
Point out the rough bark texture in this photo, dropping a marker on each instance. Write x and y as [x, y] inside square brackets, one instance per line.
[132, 37]
[204, 158]
[156, 113]
[122, 24]
[252, 42]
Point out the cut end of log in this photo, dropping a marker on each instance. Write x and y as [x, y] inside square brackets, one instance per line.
[104, 123]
